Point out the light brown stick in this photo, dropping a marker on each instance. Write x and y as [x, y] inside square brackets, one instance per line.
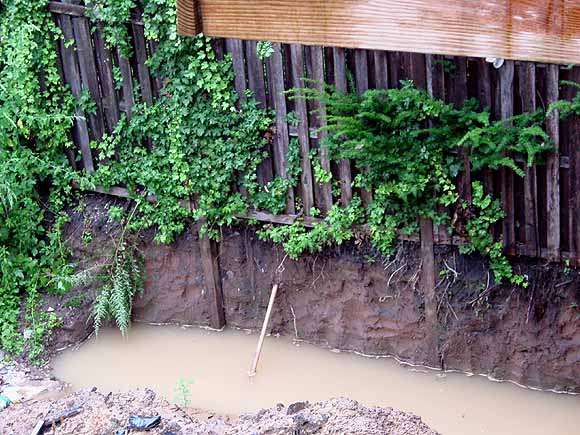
[264, 328]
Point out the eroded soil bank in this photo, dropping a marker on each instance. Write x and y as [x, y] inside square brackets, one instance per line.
[348, 298]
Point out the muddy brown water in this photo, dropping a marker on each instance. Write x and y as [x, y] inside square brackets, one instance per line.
[218, 362]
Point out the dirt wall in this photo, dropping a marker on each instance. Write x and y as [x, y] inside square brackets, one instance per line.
[349, 298]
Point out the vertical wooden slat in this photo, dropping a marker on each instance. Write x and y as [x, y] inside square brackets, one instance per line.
[506, 77]
[362, 85]
[394, 59]
[142, 68]
[381, 65]
[527, 85]
[323, 190]
[73, 79]
[218, 47]
[297, 73]
[210, 266]
[257, 85]
[108, 92]
[157, 80]
[361, 71]
[88, 71]
[235, 48]
[417, 71]
[344, 169]
[427, 282]
[458, 96]
[256, 81]
[436, 87]
[128, 92]
[484, 96]
[281, 139]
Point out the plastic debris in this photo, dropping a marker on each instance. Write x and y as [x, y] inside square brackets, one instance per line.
[143, 423]
[496, 61]
[4, 402]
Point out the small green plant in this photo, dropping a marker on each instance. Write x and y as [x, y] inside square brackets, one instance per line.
[182, 393]
[264, 50]
[567, 268]
[292, 119]
[116, 213]
[448, 65]
[87, 237]
[75, 301]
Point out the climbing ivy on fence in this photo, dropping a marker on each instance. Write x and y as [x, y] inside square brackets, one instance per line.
[205, 143]
[35, 118]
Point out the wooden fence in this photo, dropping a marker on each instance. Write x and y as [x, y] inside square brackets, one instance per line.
[542, 209]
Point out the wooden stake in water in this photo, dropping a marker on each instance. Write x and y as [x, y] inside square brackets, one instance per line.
[264, 328]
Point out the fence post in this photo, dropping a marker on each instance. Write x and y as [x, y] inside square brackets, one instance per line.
[209, 261]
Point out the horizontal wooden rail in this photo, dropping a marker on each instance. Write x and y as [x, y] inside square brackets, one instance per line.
[545, 31]
[289, 219]
[77, 11]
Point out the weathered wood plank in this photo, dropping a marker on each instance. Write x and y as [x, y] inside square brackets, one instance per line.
[88, 70]
[236, 49]
[306, 181]
[553, 169]
[428, 282]
[66, 9]
[484, 95]
[418, 73]
[506, 77]
[142, 68]
[110, 104]
[156, 79]
[72, 76]
[523, 30]
[527, 85]
[323, 190]
[257, 85]
[381, 65]
[457, 96]
[281, 138]
[255, 66]
[218, 45]
[344, 169]
[435, 85]
[213, 283]
[362, 85]
[128, 92]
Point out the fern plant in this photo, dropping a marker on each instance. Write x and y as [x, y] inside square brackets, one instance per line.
[404, 145]
[115, 300]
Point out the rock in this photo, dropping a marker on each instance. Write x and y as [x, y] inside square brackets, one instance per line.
[296, 407]
[23, 393]
[27, 334]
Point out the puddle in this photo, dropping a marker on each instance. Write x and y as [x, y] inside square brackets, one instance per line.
[218, 363]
